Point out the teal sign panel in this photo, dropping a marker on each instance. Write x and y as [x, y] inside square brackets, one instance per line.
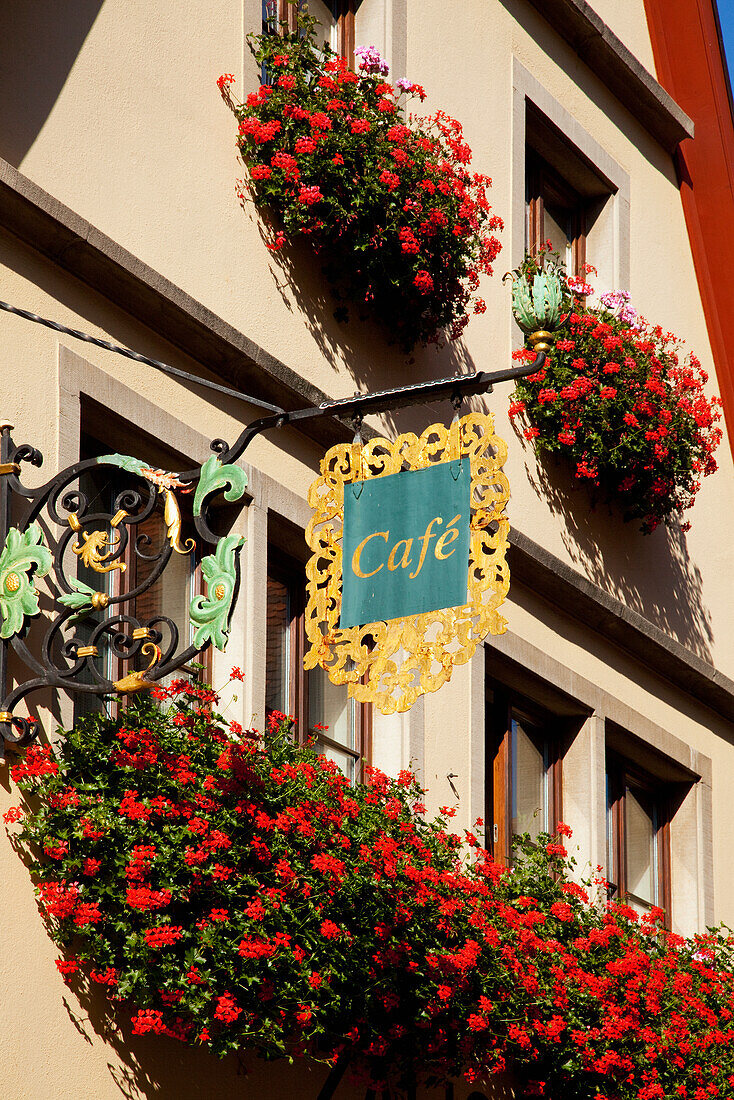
[405, 546]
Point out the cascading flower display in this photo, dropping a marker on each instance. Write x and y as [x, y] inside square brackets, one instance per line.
[403, 226]
[235, 892]
[618, 398]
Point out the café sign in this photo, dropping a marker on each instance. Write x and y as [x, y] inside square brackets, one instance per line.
[406, 539]
[408, 565]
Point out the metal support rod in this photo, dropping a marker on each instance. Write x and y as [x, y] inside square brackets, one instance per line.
[165, 368]
[453, 388]
[336, 1074]
[458, 386]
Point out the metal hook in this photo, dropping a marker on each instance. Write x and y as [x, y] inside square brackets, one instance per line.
[455, 433]
[357, 443]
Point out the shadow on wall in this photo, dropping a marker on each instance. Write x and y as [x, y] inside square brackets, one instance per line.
[652, 574]
[360, 344]
[39, 44]
[144, 1067]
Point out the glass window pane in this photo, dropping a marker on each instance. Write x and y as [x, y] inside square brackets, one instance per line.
[277, 647]
[170, 595]
[612, 855]
[326, 31]
[346, 763]
[329, 705]
[175, 595]
[556, 229]
[96, 484]
[529, 780]
[640, 843]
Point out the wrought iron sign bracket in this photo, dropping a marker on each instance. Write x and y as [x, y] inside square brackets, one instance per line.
[46, 531]
[454, 388]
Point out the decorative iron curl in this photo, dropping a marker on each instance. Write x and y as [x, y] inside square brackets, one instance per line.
[106, 542]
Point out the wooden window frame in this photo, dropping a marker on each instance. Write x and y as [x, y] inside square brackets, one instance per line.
[541, 181]
[289, 572]
[345, 11]
[501, 703]
[621, 774]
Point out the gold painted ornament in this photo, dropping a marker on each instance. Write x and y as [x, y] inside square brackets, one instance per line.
[391, 663]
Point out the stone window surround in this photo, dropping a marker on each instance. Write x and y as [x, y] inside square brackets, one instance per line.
[618, 69]
[526, 89]
[597, 720]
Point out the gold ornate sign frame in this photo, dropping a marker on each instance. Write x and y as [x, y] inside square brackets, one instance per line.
[392, 663]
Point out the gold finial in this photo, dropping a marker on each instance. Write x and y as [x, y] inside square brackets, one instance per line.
[99, 599]
[540, 340]
[172, 520]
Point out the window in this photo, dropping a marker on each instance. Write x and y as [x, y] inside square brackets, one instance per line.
[335, 16]
[309, 696]
[638, 844]
[566, 197]
[523, 790]
[554, 212]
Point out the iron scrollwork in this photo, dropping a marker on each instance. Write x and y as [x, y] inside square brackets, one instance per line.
[83, 623]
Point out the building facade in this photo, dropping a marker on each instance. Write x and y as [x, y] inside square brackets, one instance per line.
[609, 702]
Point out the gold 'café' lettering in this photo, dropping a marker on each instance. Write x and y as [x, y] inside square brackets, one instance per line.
[399, 555]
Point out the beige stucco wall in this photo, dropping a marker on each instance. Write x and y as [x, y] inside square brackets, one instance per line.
[122, 121]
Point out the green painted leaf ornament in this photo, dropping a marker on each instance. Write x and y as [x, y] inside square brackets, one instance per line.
[125, 462]
[80, 599]
[215, 476]
[18, 597]
[164, 479]
[210, 613]
[538, 307]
